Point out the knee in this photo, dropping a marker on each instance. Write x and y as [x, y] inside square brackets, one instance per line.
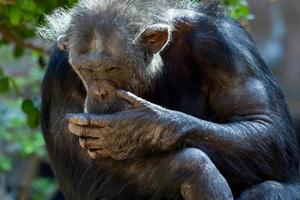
[271, 185]
[192, 159]
[267, 190]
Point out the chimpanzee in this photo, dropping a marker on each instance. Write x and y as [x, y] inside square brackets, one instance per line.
[163, 99]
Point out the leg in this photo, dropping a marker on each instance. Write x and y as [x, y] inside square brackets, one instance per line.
[189, 172]
[271, 190]
[204, 181]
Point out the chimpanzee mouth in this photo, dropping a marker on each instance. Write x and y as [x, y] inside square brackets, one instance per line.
[102, 98]
[114, 84]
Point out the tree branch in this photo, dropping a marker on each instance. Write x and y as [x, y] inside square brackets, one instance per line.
[7, 2]
[29, 175]
[6, 34]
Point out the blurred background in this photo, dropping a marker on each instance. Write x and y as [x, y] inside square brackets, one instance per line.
[24, 169]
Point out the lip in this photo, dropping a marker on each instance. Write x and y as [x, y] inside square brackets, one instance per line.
[102, 91]
[100, 81]
[114, 84]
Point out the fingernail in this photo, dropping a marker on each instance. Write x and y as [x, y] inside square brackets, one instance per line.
[68, 116]
[77, 119]
[82, 120]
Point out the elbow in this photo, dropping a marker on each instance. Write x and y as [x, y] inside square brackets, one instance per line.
[276, 144]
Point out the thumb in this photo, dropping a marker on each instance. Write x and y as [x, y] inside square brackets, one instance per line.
[134, 100]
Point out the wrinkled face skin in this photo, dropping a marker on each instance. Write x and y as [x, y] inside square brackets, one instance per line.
[106, 60]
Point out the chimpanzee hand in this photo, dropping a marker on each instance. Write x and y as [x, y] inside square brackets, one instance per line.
[144, 128]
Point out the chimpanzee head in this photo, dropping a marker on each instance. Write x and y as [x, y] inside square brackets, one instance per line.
[106, 59]
[101, 51]
[114, 44]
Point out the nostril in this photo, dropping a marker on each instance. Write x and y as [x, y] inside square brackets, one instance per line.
[100, 93]
[103, 94]
[103, 91]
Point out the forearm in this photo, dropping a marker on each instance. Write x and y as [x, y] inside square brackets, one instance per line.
[255, 145]
[250, 133]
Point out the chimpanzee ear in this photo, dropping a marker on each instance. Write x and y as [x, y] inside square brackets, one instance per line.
[62, 42]
[154, 37]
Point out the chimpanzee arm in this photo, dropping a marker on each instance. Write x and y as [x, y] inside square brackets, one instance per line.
[250, 127]
[253, 132]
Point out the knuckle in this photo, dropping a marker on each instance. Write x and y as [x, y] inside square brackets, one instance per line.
[105, 123]
[111, 125]
[70, 127]
[83, 143]
[75, 129]
[92, 154]
[79, 119]
[103, 153]
[81, 131]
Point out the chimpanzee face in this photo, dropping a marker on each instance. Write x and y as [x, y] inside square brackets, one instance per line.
[105, 58]
[101, 55]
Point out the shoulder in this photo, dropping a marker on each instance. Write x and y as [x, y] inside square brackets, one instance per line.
[194, 27]
[214, 43]
[199, 36]
[59, 73]
[60, 80]
[208, 26]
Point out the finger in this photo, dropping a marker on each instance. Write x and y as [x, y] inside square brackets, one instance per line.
[102, 153]
[93, 154]
[84, 119]
[98, 154]
[84, 131]
[78, 118]
[91, 143]
[134, 100]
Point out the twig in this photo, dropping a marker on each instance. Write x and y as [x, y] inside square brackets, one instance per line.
[26, 181]
[7, 2]
[18, 41]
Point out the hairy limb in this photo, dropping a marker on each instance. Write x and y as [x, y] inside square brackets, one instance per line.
[271, 190]
[204, 181]
[188, 172]
[144, 128]
[147, 128]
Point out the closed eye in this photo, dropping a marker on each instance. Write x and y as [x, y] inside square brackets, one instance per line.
[112, 69]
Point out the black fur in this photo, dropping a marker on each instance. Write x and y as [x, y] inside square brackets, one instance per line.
[207, 52]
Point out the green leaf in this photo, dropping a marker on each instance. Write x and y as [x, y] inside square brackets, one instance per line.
[238, 9]
[27, 106]
[15, 15]
[72, 2]
[33, 118]
[28, 5]
[5, 163]
[231, 2]
[29, 17]
[4, 84]
[42, 188]
[13, 84]
[18, 52]
[1, 72]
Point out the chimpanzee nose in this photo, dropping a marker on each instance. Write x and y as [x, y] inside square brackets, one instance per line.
[103, 91]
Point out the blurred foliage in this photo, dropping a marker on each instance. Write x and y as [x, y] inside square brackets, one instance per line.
[21, 73]
[238, 9]
[5, 163]
[42, 187]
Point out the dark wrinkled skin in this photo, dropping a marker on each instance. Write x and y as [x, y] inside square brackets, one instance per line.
[125, 134]
[213, 123]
